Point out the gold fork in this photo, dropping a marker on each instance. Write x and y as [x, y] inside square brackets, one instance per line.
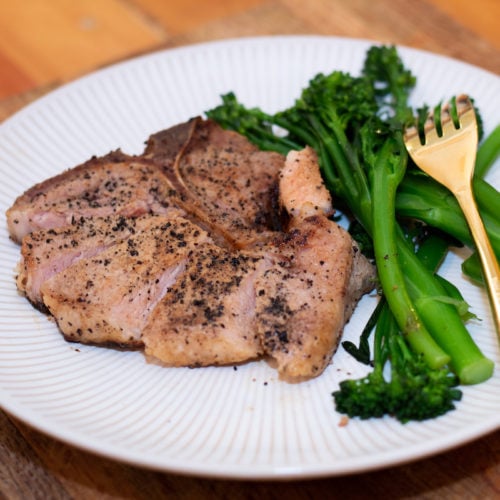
[448, 155]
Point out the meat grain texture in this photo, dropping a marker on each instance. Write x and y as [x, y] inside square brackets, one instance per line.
[201, 251]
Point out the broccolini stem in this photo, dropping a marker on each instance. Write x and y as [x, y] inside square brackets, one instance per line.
[472, 267]
[356, 191]
[386, 173]
[422, 198]
[443, 320]
[432, 251]
[383, 328]
[362, 352]
[488, 152]
[487, 197]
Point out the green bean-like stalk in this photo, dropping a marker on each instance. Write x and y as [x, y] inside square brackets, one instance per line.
[386, 172]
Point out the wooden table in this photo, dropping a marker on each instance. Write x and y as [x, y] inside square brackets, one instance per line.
[44, 43]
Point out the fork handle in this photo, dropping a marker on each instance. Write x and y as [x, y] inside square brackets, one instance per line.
[491, 269]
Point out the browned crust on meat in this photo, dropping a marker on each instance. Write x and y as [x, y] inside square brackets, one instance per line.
[113, 184]
[207, 318]
[42, 187]
[165, 146]
[300, 301]
[222, 180]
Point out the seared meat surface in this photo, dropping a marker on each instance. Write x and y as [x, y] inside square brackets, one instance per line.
[184, 251]
[305, 299]
[47, 252]
[302, 192]
[208, 316]
[301, 299]
[223, 180]
[107, 298]
[114, 184]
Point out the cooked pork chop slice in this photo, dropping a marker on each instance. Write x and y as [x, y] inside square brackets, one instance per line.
[225, 181]
[301, 300]
[208, 317]
[302, 192]
[47, 252]
[107, 299]
[305, 299]
[114, 184]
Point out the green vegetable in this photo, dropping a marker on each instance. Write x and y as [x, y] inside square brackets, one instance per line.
[422, 198]
[488, 152]
[387, 168]
[362, 352]
[355, 124]
[409, 391]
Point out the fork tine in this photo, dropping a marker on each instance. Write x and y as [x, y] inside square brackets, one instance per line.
[463, 104]
[412, 139]
[448, 126]
[450, 120]
[466, 112]
[431, 132]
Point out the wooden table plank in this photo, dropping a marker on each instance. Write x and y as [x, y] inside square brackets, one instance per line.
[21, 471]
[14, 80]
[483, 18]
[416, 24]
[61, 39]
[182, 16]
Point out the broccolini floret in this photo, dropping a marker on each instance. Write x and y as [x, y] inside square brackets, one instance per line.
[401, 384]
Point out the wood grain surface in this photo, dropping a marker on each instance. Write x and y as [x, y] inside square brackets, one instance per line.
[44, 43]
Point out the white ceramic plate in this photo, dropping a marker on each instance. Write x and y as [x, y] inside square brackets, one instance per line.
[220, 422]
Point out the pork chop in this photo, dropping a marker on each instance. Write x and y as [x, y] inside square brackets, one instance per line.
[47, 252]
[114, 184]
[106, 299]
[208, 316]
[182, 251]
[289, 297]
[306, 298]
